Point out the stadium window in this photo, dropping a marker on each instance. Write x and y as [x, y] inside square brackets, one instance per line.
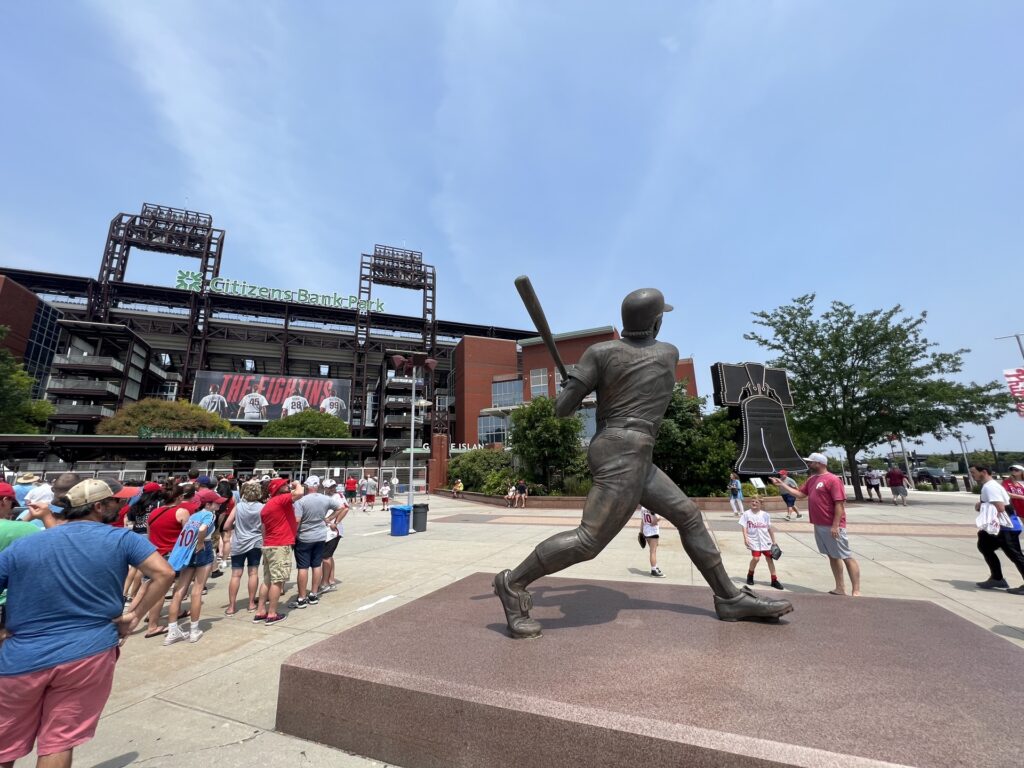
[491, 429]
[325, 370]
[538, 382]
[506, 393]
[249, 364]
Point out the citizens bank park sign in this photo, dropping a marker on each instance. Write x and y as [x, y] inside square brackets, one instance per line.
[193, 281]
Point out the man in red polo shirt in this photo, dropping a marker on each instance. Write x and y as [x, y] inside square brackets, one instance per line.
[279, 527]
[826, 509]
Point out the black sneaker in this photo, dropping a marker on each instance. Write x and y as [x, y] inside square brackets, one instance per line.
[656, 573]
[298, 603]
[993, 584]
[777, 584]
[313, 599]
[1016, 590]
[217, 574]
[750, 580]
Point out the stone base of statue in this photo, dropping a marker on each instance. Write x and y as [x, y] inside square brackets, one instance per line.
[638, 674]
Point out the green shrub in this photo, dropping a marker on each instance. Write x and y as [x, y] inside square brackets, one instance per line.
[476, 468]
[947, 487]
[924, 487]
[577, 485]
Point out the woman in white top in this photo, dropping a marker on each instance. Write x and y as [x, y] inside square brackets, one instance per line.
[335, 532]
[650, 531]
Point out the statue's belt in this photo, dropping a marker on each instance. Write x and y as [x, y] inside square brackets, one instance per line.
[635, 424]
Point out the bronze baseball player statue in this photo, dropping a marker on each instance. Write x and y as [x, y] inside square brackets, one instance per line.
[634, 377]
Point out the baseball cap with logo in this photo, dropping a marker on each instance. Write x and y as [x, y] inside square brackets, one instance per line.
[312, 481]
[1017, 466]
[151, 487]
[206, 496]
[818, 458]
[204, 480]
[7, 491]
[92, 490]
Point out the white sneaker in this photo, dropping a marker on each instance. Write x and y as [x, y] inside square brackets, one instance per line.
[174, 636]
[194, 635]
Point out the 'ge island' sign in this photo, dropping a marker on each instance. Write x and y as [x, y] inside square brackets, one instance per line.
[193, 281]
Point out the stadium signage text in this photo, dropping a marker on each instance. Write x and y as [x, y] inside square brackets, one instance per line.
[145, 433]
[193, 281]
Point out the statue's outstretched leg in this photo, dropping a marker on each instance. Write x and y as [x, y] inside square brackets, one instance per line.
[664, 498]
[618, 459]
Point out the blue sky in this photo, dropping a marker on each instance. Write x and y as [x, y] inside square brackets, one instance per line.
[733, 154]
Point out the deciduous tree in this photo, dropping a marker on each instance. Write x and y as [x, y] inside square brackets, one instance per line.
[541, 441]
[859, 377]
[308, 423]
[171, 415]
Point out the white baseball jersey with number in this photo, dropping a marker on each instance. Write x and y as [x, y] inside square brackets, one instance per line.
[214, 403]
[333, 405]
[253, 405]
[294, 404]
[649, 522]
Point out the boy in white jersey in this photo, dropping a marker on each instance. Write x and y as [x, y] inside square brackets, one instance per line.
[759, 536]
[649, 529]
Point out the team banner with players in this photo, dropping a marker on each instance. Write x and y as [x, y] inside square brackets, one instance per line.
[1015, 380]
[257, 397]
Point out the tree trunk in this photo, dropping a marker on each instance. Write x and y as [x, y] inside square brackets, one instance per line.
[851, 458]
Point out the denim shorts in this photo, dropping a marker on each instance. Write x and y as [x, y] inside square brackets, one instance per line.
[309, 554]
[203, 557]
[250, 558]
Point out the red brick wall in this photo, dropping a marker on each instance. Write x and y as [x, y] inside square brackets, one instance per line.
[477, 361]
[684, 371]
[17, 311]
[571, 350]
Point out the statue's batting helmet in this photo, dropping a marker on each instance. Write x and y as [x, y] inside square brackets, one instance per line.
[641, 309]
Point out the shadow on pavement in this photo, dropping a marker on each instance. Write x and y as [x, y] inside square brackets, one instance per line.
[118, 762]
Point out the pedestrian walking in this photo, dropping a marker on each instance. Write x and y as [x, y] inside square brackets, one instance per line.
[371, 494]
[898, 483]
[759, 538]
[787, 497]
[385, 495]
[735, 494]
[652, 534]
[245, 526]
[999, 525]
[826, 508]
[66, 619]
[873, 479]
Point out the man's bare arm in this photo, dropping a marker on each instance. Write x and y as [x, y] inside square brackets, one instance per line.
[161, 574]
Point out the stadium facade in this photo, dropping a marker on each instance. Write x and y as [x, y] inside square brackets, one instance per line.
[253, 352]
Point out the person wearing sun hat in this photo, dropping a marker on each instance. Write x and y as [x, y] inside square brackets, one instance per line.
[23, 484]
[57, 664]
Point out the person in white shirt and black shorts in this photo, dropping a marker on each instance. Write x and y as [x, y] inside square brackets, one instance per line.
[651, 534]
[759, 537]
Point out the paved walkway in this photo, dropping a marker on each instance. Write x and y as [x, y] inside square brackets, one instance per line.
[215, 700]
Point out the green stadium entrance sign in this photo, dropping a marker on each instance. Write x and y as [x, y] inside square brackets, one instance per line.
[193, 281]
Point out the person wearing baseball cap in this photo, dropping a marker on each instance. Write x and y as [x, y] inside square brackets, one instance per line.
[57, 665]
[279, 528]
[826, 508]
[192, 559]
[10, 531]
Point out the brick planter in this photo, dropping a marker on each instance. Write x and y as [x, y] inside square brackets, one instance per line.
[706, 503]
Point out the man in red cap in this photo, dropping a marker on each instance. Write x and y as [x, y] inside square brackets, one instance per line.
[66, 621]
[279, 527]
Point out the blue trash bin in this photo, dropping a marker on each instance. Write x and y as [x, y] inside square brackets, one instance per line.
[400, 521]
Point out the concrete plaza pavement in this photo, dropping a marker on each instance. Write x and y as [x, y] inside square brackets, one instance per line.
[218, 697]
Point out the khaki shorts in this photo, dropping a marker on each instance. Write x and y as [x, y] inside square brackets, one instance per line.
[277, 564]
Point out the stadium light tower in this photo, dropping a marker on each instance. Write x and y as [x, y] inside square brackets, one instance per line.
[410, 366]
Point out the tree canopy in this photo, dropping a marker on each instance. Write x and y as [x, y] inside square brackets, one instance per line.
[308, 423]
[19, 413]
[157, 414]
[541, 441]
[695, 451]
[859, 377]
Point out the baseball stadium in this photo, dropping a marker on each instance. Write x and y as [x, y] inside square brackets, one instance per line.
[409, 386]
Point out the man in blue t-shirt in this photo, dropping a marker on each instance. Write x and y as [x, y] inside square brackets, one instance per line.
[57, 663]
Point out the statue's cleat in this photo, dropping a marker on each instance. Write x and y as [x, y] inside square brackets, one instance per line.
[749, 605]
[517, 604]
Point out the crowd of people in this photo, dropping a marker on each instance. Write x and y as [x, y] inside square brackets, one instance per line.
[85, 562]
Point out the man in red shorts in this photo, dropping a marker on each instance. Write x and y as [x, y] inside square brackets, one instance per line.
[57, 664]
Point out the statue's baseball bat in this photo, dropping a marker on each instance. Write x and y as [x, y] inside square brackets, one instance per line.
[529, 296]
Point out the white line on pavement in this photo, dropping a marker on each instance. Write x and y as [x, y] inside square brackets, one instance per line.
[376, 533]
[368, 606]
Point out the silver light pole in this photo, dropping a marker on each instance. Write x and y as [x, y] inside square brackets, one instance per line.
[412, 438]
[302, 460]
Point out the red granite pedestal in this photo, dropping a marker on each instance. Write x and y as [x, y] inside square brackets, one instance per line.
[643, 674]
